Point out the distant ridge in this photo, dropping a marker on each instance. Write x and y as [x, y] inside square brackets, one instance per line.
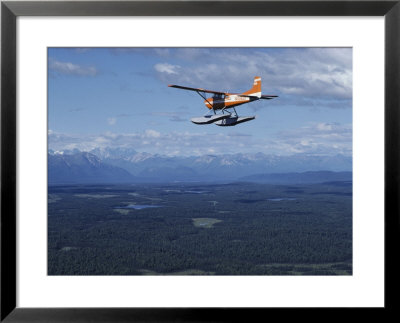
[299, 178]
[117, 165]
[84, 167]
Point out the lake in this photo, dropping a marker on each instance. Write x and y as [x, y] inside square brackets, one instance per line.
[137, 206]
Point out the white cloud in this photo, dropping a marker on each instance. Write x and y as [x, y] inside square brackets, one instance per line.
[167, 68]
[319, 138]
[152, 134]
[315, 139]
[112, 121]
[324, 126]
[309, 73]
[68, 68]
[164, 52]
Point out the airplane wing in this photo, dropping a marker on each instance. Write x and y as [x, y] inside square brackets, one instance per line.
[265, 97]
[196, 89]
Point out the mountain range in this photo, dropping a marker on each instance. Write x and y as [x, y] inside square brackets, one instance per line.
[83, 168]
[118, 165]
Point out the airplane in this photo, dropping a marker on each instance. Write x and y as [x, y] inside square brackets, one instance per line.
[225, 104]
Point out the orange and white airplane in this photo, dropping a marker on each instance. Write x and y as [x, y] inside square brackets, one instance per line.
[224, 102]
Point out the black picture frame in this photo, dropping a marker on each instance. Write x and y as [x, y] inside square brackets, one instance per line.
[10, 10]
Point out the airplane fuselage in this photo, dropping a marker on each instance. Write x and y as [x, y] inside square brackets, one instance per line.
[229, 101]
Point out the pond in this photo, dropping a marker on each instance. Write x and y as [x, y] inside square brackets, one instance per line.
[196, 192]
[137, 206]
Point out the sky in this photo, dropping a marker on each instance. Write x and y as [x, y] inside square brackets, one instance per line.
[119, 97]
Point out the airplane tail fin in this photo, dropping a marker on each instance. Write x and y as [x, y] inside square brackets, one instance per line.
[256, 89]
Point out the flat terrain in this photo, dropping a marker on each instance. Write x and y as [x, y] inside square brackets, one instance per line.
[200, 229]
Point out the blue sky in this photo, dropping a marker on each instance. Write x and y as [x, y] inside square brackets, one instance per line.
[118, 97]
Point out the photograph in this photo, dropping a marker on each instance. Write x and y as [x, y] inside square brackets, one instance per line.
[200, 161]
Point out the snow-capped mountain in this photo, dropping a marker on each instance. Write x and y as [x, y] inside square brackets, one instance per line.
[129, 164]
[83, 167]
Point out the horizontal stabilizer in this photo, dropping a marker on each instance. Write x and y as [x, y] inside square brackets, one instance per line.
[268, 97]
[265, 97]
[249, 96]
[210, 118]
[233, 121]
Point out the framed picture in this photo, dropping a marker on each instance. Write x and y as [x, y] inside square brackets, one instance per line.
[115, 182]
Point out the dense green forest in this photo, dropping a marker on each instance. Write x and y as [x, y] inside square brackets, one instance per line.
[195, 229]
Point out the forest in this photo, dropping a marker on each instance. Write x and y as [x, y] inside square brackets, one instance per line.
[200, 229]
